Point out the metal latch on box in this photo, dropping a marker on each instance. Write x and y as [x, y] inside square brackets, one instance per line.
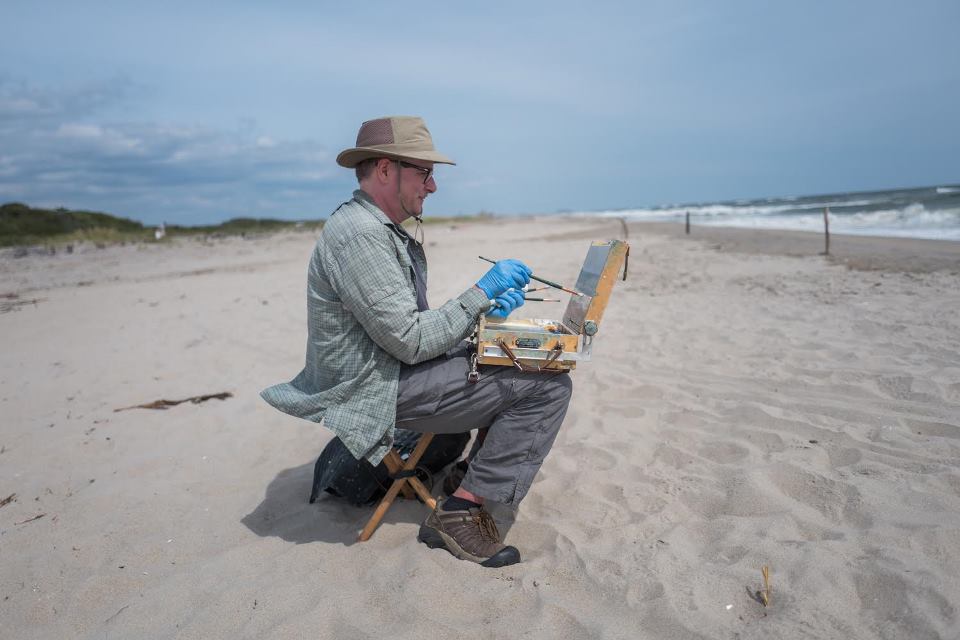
[555, 353]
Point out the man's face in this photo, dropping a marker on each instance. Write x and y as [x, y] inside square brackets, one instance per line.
[413, 189]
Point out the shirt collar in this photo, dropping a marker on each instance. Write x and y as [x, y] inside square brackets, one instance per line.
[364, 199]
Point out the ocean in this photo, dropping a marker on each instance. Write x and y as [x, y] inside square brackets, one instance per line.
[927, 212]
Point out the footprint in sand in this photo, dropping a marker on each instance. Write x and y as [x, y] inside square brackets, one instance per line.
[837, 502]
[723, 452]
[844, 457]
[902, 388]
[595, 458]
[880, 586]
[939, 429]
[953, 392]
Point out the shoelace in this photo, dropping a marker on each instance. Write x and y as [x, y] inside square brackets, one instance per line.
[487, 525]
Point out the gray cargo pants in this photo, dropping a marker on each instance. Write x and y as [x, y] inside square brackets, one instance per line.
[523, 411]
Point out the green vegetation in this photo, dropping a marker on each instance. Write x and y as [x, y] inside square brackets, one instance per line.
[24, 225]
[20, 224]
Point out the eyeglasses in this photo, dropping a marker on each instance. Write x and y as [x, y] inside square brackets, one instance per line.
[427, 173]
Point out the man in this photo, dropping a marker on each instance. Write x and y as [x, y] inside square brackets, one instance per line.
[378, 357]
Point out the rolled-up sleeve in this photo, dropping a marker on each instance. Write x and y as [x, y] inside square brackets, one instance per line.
[374, 287]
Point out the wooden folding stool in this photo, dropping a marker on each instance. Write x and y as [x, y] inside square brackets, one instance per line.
[405, 481]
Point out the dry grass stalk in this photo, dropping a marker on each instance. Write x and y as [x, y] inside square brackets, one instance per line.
[765, 594]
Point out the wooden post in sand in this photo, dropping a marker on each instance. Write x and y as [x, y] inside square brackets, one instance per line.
[688, 223]
[826, 230]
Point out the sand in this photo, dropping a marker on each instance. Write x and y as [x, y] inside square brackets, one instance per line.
[750, 403]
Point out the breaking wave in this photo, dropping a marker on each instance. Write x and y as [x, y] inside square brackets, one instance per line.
[918, 213]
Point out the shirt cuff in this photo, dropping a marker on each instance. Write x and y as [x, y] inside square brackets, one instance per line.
[474, 302]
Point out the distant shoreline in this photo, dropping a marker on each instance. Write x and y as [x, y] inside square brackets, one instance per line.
[860, 252]
[863, 253]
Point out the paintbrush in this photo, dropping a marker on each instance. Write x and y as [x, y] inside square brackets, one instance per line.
[543, 280]
[494, 303]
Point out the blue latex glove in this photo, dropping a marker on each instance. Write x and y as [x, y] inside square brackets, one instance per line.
[505, 274]
[506, 303]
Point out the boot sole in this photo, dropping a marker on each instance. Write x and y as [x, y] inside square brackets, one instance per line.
[436, 540]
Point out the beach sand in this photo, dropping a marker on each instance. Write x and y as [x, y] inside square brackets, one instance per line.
[750, 403]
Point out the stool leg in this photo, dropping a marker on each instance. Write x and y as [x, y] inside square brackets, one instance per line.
[381, 511]
[394, 464]
[412, 462]
[423, 493]
[397, 485]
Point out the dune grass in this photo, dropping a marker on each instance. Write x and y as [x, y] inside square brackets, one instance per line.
[22, 225]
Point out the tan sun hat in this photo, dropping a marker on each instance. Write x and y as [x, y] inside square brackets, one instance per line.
[403, 137]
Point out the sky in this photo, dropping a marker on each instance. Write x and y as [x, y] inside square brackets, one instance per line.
[195, 113]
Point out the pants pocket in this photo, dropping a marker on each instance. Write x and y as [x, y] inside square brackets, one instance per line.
[420, 389]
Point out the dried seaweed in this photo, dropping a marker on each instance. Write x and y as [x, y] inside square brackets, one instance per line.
[117, 613]
[36, 517]
[12, 302]
[163, 404]
[10, 498]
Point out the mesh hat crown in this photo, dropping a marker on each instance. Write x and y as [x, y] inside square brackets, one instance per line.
[400, 137]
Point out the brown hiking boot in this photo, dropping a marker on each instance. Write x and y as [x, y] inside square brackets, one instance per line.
[469, 535]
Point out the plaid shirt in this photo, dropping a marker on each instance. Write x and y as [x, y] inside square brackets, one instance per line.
[362, 322]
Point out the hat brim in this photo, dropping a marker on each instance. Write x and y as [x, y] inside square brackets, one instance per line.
[350, 158]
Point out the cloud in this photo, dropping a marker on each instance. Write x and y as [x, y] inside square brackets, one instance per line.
[60, 149]
[21, 103]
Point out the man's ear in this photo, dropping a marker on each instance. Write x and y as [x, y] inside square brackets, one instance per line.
[382, 170]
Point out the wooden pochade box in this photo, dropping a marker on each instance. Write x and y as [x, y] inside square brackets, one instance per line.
[557, 345]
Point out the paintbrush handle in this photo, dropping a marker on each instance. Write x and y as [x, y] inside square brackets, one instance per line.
[554, 284]
[543, 280]
[494, 303]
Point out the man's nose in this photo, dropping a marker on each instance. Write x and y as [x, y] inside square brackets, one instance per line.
[431, 185]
